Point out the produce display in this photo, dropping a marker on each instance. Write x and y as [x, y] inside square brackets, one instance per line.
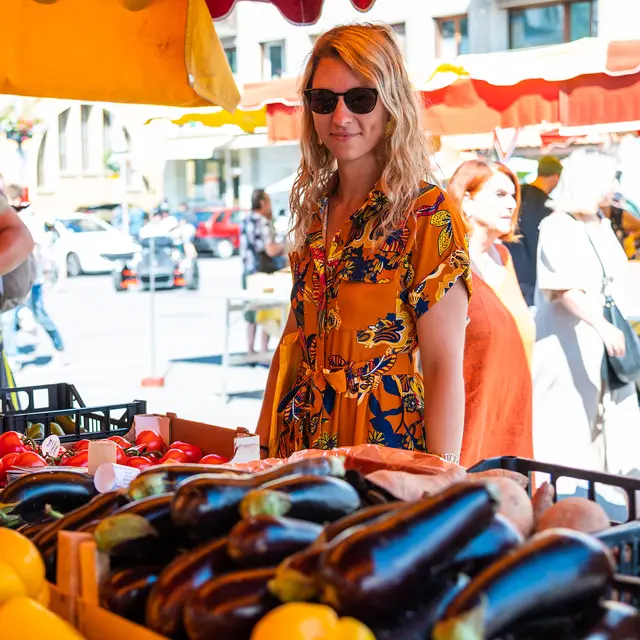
[308, 550]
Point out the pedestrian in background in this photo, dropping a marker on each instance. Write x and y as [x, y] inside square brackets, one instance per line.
[501, 332]
[533, 210]
[35, 301]
[578, 420]
[259, 251]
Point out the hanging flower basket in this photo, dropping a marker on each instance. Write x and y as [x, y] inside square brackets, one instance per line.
[18, 130]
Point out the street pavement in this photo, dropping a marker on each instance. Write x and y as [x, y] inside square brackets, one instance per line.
[108, 345]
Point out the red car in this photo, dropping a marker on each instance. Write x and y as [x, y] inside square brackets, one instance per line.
[219, 232]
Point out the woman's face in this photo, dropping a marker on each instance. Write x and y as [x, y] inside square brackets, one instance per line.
[493, 206]
[349, 136]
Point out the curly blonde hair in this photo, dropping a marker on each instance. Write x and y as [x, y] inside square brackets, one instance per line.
[370, 50]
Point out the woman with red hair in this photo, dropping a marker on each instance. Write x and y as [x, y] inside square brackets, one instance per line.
[501, 332]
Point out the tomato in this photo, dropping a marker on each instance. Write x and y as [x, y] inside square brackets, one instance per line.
[177, 455]
[11, 442]
[8, 461]
[121, 456]
[81, 459]
[140, 462]
[193, 452]
[81, 445]
[30, 459]
[213, 458]
[150, 441]
[123, 442]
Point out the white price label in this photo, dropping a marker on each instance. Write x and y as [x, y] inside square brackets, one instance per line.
[51, 446]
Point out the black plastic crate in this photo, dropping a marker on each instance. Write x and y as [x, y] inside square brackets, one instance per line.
[528, 467]
[53, 397]
[622, 539]
[93, 423]
[62, 403]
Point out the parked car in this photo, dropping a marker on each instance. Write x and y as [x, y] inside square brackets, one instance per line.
[83, 240]
[160, 261]
[112, 213]
[218, 230]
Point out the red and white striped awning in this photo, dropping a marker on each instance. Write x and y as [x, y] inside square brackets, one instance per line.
[587, 82]
[295, 11]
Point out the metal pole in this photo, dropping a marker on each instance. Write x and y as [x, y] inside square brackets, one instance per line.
[124, 206]
[152, 305]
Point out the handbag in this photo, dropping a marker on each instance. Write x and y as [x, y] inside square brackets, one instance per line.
[618, 371]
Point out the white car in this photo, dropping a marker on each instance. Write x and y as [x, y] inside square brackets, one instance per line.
[83, 240]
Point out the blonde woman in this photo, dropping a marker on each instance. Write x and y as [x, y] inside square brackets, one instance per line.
[578, 420]
[379, 262]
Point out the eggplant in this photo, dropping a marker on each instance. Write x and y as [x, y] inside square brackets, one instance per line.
[47, 539]
[489, 545]
[230, 606]
[141, 530]
[296, 578]
[125, 592]
[165, 478]
[265, 541]
[31, 531]
[315, 498]
[418, 623]
[362, 516]
[557, 573]
[392, 563]
[205, 507]
[615, 621]
[178, 582]
[63, 491]
[370, 493]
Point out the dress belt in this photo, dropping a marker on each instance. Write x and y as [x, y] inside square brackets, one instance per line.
[339, 377]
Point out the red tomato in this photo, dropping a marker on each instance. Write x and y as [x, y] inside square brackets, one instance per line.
[81, 445]
[150, 441]
[121, 456]
[177, 455]
[213, 458]
[193, 452]
[11, 442]
[81, 459]
[30, 459]
[8, 461]
[123, 442]
[140, 462]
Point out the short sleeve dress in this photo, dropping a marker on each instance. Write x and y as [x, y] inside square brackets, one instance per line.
[356, 306]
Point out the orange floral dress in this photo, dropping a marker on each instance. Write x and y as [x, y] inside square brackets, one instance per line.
[356, 308]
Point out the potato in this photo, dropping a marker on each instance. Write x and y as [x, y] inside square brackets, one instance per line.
[515, 504]
[542, 500]
[410, 486]
[578, 514]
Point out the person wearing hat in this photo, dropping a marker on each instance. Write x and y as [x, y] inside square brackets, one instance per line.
[533, 210]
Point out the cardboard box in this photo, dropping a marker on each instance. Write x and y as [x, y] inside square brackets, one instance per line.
[96, 623]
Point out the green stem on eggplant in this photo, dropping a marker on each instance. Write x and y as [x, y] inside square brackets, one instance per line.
[338, 469]
[265, 503]
[9, 520]
[290, 585]
[467, 626]
[147, 486]
[120, 528]
[50, 511]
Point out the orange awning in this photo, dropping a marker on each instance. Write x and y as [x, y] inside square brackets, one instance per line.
[136, 51]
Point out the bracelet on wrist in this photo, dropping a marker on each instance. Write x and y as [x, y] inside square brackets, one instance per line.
[448, 457]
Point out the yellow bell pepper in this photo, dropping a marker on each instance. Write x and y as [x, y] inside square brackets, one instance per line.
[23, 618]
[24, 558]
[305, 621]
[11, 586]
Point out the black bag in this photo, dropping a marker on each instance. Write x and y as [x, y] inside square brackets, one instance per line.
[618, 371]
[267, 264]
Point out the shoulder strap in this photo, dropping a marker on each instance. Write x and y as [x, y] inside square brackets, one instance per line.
[604, 273]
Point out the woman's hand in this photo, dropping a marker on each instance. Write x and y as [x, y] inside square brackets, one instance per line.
[612, 338]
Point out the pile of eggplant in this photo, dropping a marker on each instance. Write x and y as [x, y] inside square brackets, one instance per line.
[205, 553]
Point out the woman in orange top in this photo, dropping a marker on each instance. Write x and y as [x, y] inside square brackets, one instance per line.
[379, 263]
[501, 332]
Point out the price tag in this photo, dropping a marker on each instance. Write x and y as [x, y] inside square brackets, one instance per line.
[51, 446]
[247, 449]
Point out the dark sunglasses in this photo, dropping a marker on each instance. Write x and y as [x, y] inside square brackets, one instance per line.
[360, 100]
